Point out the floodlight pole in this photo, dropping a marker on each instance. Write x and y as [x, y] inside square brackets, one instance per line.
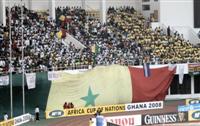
[23, 73]
[10, 65]
[83, 4]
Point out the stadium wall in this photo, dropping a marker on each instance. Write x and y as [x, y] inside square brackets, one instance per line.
[95, 4]
[90, 4]
[154, 6]
[177, 12]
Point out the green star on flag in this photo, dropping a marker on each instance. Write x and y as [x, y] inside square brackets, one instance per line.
[90, 98]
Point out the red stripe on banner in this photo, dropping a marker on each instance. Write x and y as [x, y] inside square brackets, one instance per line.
[152, 88]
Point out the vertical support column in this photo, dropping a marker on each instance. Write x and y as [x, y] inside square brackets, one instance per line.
[192, 84]
[103, 11]
[83, 4]
[30, 4]
[3, 12]
[10, 64]
[23, 71]
[52, 8]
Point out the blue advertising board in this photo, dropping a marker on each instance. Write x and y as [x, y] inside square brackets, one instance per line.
[185, 108]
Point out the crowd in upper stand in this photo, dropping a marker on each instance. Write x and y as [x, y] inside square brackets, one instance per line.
[43, 50]
[157, 46]
[126, 38]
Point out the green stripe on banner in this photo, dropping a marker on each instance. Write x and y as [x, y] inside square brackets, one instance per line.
[37, 96]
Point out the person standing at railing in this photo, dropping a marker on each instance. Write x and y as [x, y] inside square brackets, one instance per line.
[37, 113]
[5, 116]
[100, 120]
[168, 31]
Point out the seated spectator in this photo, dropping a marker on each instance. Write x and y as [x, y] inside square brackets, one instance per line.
[65, 106]
[70, 105]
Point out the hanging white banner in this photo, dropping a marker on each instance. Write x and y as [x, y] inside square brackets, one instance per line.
[4, 80]
[31, 80]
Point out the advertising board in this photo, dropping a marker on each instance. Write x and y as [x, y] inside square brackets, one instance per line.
[9, 122]
[144, 106]
[22, 119]
[129, 120]
[194, 115]
[84, 111]
[185, 108]
[192, 101]
[152, 119]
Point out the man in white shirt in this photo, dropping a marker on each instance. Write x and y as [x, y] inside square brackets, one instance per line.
[5, 116]
[37, 113]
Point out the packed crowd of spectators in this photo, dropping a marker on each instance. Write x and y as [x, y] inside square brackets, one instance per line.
[111, 46]
[126, 38]
[157, 46]
[43, 50]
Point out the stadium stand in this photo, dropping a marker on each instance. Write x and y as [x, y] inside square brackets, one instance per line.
[126, 39]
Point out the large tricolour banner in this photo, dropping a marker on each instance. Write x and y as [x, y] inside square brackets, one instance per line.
[107, 85]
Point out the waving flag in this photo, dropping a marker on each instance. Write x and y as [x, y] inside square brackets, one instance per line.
[146, 67]
[105, 85]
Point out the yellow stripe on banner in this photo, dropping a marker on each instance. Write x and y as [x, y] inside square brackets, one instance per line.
[9, 122]
[103, 85]
[86, 111]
